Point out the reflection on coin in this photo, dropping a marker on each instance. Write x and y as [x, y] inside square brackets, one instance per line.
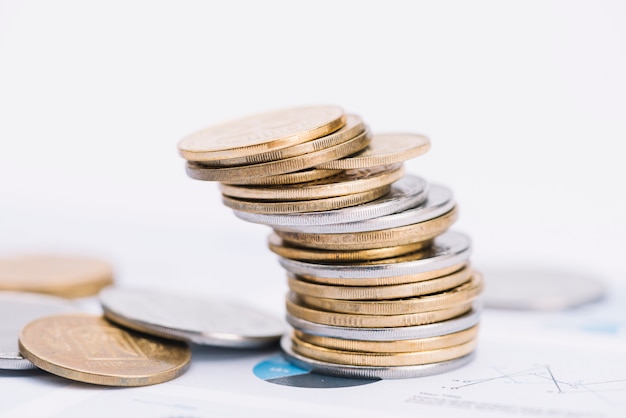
[18, 309]
[65, 276]
[88, 348]
[527, 288]
[195, 319]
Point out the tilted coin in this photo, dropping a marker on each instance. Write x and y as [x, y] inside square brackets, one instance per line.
[353, 127]
[353, 358]
[448, 249]
[261, 133]
[345, 183]
[90, 349]
[397, 346]
[191, 318]
[55, 274]
[198, 171]
[302, 176]
[388, 148]
[370, 372]
[409, 191]
[283, 249]
[18, 309]
[297, 206]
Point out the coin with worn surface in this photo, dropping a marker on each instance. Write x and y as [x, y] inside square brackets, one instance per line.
[59, 275]
[261, 133]
[302, 176]
[448, 249]
[388, 148]
[90, 349]
[191, 318]
[370, 372]
[18, 309]
[409, 191]
[344, 183]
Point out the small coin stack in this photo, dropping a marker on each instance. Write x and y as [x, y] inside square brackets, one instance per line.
[379, 285]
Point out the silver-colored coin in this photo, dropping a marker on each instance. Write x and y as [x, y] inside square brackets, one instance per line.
[448, 249]
[438, 202]
[436, 329]
[189, 318]
[405, 193]
[18, 309]
[539, 289]
[368, 372]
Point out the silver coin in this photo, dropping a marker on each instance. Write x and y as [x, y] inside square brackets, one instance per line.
[405, 193]
[436, 329]
[448, 249]
[18, 309]
[538, 289]
[369, 372]
[439, 201]
[193, 319]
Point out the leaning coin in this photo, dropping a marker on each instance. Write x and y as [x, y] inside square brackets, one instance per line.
[88, 348]
[409, 191]
[18, 309]
[191, 318]
[384, 149]
[302, 176]
[370, 372]
[261, 133]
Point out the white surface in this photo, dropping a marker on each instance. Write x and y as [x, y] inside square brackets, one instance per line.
[524, 103]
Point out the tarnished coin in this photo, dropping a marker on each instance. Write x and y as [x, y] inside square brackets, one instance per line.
[345, 183]
[191, 318]
[261, 133]
[389, 148]
[18, 309]
[90, 349]
[59, 275]
[408, 192]
[370, 372]
[302, 176]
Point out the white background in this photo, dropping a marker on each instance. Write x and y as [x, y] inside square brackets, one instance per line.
[524, 103]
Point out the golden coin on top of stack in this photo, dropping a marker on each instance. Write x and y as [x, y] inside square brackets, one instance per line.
[380, 287]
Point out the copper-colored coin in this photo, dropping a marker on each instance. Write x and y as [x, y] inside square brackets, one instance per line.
[88, 348]
[302, 176]
[396, 346]
[345, 183]
[60, 275]
[261, 133]
[402, 235]
[384, 149]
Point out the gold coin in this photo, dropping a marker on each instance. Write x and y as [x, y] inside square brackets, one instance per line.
[397, 291]
[278, 246]
[309, 174]
[463, 293]
[381, 359]
[315, 205]
[345, 183]
[88, 348]
[261, 133]
[296, 308]
[383, 150]
[399, 346]
[198, 171]
[59, 275]
[353, 127]
[391, 237]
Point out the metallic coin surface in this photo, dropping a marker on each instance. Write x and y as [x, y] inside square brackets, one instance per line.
[409, 191]
[90, 349]
[18, 309]
[343, 183]
[59, 275]
[309, 174]
[370, 372]
[261, 133]
[449, 249]
[191, 318]
[384, 149]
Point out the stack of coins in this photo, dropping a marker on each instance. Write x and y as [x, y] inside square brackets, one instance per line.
[380, 287]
